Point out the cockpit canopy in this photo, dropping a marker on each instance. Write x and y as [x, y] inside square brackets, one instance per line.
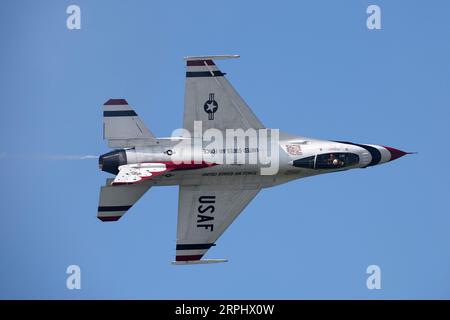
[332, 160]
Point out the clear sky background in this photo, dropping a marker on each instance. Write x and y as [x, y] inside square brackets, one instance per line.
[310, 68]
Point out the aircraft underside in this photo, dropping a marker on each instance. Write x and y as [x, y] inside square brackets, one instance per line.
[216, 182]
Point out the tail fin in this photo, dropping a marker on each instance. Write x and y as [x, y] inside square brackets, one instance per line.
[122, 127]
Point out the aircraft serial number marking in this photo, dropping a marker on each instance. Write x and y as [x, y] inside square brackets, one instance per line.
[231, 150]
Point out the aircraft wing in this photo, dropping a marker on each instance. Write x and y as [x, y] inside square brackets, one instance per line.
[204, 213]
[210, 98]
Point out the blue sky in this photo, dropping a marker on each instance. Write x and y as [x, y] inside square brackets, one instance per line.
[310, 68]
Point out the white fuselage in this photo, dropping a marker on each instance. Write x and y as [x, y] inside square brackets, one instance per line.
[324, 157]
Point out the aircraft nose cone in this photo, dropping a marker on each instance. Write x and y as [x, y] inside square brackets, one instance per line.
[395, 153]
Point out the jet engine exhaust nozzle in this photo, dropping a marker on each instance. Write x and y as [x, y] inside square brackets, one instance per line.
[111, 161]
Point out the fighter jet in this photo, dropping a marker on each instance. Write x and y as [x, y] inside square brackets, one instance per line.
[221, 158]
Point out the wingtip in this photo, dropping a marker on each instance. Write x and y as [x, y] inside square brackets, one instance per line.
[205, 261]
[109, 218]
[212, 57]
[115, 102]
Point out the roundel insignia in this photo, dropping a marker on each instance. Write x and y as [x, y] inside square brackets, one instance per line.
[211, 106]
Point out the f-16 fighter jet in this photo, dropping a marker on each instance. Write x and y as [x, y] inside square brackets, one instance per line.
[221, 158]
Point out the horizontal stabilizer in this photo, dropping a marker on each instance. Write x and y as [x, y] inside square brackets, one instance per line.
[116, 200]
[122, 127]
